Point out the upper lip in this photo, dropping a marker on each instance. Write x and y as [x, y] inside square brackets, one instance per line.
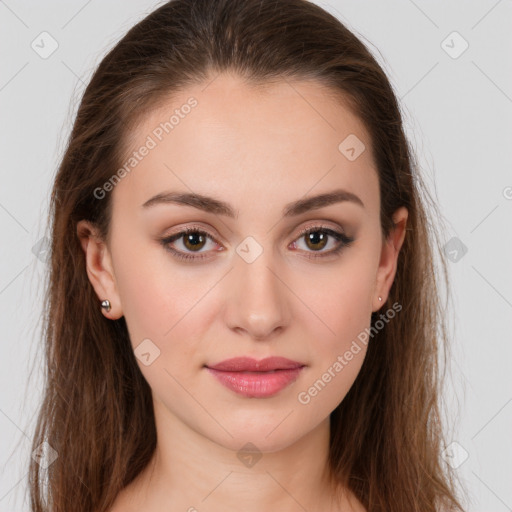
[248, 364]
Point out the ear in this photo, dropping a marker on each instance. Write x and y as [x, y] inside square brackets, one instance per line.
[98, 262]
[389, 257]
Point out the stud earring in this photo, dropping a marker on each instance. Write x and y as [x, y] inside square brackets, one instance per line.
[380, 298]
[106, 305]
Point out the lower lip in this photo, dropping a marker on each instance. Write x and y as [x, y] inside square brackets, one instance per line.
[256, 384]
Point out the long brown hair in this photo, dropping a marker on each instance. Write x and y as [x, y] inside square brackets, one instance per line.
[386, 435]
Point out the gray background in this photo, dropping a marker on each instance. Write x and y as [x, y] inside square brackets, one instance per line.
[458, 108]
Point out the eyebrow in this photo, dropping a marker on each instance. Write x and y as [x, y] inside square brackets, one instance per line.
[217, 207]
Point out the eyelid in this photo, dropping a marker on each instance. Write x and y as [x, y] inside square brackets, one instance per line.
[191, 229]
[320, 226]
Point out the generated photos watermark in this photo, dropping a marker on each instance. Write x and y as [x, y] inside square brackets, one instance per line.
[304, 397]
[150, 143]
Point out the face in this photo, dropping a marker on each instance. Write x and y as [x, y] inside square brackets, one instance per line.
[246, 281]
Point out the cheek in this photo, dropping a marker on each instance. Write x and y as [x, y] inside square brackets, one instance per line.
[338, 353]
[156, 295]
[163, 307]
[341, 300]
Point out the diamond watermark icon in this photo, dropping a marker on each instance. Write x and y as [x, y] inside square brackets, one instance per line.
[249, 249]
[146, 352]
[454, 249]
[454, 455]
[44, 45]
[42, 249]
[351, 147]
[44, 455]
[454, 45]
[249, 455]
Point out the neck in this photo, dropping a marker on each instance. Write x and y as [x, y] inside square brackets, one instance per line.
[191, 472]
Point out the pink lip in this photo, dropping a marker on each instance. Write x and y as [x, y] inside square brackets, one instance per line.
[256, 379]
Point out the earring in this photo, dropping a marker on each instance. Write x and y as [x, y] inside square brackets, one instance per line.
[380, 298]
[106, 305]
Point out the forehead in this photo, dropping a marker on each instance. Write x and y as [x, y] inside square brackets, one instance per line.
[274, 142]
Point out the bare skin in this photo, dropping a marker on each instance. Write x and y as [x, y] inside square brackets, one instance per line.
[258, 150]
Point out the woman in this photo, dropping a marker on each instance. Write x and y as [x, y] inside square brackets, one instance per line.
[242, 305]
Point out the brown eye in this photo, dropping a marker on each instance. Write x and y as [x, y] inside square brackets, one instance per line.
[316, 240]
[184, 244]
[194, 241]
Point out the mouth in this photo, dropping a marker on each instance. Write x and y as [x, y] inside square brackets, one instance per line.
[256, 379]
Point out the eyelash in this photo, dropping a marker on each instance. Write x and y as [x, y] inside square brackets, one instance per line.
[344, 241]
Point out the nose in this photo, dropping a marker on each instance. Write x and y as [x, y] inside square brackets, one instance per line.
[257, 298]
